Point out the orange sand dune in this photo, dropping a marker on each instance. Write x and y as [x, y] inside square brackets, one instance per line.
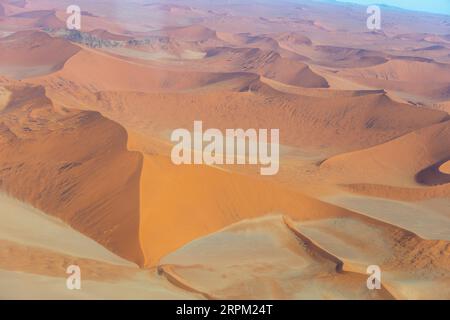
[36, 249]
[346, 124]
[268, 64]
[364, 173]
[208, 199]
[445, 168]
[31, 53]
[394, 163]
[74, 165]
[97, 71]
[423, 78]
[279, 43]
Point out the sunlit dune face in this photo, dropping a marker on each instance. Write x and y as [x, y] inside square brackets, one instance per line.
[445, 168]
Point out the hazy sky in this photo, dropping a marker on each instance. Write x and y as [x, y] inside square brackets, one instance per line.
[437, 6]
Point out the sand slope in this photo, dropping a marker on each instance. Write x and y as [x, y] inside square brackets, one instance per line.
[48, 157]
[262, 259]
[30, 53]
[36, 249]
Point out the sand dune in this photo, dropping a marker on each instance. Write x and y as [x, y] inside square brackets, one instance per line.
[266, 63]
[398, 253]
[36, 249]
[45, 19]
[262, 259]
[392, 161]
[189, 33]
[407, 76]
[30, 53]
[106, 35]
[208, 193]
[24, 225]
[85, 151]
[445, 168]
[97, 72]
[43, 163]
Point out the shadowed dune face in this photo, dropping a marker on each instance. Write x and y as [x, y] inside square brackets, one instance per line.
[85, 167]
[49, 156]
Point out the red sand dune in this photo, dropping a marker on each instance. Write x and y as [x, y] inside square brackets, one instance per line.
[31, 53]
[268, 64]
[415, 76]
[391, 163]
[50, 156]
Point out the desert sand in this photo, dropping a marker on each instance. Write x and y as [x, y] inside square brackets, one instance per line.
[86, 176]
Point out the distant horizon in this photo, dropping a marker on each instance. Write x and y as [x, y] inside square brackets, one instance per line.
[430, 6]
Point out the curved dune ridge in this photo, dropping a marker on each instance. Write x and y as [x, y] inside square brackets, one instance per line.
[208, 194]
[306, 121]
[414, 76]
[98, 71]
[269, 64]
[445, 168]
[28, 54]
[392, 161]
[262, 259]
[44, 163]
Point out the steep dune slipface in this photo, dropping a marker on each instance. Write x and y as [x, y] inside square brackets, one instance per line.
[192, 201]
[73, 165]
[32, 53]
